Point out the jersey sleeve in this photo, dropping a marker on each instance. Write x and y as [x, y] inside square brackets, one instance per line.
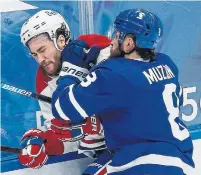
[99, 40]
[94, 96]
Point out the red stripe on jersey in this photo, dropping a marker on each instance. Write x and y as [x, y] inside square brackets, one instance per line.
[103, 172]
[92, 141]
[41, 80]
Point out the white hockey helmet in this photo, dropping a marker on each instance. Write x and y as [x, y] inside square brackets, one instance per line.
[45, 21]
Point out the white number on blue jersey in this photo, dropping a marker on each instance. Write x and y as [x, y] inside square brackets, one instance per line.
[89, 79]
[174, 112]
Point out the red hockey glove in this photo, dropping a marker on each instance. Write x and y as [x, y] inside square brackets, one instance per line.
[61, 129]
[66, 131]
[92, 126]
[37, 145]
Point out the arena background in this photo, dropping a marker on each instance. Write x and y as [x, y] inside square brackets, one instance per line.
[181, 41]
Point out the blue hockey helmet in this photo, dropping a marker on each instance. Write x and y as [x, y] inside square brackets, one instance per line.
[144, 25]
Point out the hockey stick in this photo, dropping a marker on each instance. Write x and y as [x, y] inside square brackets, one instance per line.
[10, 149]
[24, 92]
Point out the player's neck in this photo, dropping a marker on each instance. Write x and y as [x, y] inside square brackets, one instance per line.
[133, 55]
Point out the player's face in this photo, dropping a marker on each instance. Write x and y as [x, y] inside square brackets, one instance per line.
[46, 54]
[115, 50]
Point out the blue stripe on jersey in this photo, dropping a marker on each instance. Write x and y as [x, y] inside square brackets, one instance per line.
[157, 153]
[148, 169]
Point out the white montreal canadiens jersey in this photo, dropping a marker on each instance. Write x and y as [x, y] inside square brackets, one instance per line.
[46, 85]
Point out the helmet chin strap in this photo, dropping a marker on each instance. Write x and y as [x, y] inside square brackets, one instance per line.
[55, 43]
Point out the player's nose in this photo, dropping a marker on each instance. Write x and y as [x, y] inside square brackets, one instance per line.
[41, 58]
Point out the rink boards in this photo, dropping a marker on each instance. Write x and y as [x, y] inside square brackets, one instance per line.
[181, 41]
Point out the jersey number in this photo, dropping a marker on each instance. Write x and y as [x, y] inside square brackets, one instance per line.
[89, 79]
[140, 15]
[178, 130]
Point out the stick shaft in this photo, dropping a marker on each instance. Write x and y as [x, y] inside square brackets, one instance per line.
[24, 92]
[10, 149]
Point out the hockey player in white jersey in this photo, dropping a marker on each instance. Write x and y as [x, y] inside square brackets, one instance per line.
[46, 34]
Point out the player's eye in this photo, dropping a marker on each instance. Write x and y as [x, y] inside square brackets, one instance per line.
[43, 50]
[33, 54]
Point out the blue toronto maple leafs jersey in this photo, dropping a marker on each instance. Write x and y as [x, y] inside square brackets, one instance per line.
[136, 101]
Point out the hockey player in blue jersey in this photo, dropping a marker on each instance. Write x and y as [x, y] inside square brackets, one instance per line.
[136, 94]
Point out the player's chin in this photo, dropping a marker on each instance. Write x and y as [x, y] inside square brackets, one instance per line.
[50, 69]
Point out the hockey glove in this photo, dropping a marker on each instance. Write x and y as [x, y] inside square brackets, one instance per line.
[66, 131]
[78, 59]
[92, 126]
[37, 145]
